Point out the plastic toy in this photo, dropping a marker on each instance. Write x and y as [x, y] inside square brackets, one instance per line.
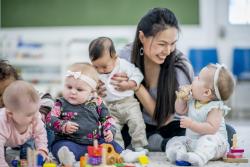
[235, 155]
[95, 154]
[49, 165]
[182, 163]
[143, 159]
[83, 161]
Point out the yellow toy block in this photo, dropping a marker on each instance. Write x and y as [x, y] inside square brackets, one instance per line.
[143, 159]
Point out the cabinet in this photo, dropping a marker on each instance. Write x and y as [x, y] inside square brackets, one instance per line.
[37, 62]
[44, 62]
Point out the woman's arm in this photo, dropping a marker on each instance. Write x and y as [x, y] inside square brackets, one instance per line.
[146, 100]
[181, 106]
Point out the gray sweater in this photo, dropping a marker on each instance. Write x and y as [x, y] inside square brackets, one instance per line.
[181, 78]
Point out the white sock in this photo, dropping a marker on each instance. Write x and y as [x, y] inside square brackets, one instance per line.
[192, 158]
[171, 155]
[140, 149]
[131, 156]
[65, 156]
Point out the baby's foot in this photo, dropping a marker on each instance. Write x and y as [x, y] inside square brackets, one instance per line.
[171, 155]
[65, 156]
[141, 149]
[154, 142]
[131, 156]
[192, 158]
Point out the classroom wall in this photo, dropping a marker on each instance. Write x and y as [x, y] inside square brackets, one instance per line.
[204, 34]
[47, 13]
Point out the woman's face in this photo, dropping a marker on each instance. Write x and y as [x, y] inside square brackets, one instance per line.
[158, 47]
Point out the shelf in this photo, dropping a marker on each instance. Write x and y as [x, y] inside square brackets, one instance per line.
[34, 62]
[41, 77]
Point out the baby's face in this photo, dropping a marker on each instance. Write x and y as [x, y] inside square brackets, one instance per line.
[76, 91]
[105, 64]
[26, 114]
[3, 85]
[202, 83]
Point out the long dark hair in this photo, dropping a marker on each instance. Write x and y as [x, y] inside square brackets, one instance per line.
[155, 21]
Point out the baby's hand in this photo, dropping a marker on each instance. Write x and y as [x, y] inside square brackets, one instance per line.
[184, 92]
[44, 155]
[185, 122]
[108, 135]
[71, 127]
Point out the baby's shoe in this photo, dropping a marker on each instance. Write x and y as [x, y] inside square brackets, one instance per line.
[141, 149]
[171, 155]
[130, 156]
[65, 156]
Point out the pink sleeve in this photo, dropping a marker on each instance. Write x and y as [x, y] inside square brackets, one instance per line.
[2, 157]
[4, 132]
[40, 134]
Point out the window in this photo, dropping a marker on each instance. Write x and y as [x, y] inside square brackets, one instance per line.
[239, 12]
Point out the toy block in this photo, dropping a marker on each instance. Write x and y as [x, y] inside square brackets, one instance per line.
[143, 159]
[182, 163]
[49, 164]
[235, 160]
[234, 156]
[95, 151]
[236, 150]
[83, 161]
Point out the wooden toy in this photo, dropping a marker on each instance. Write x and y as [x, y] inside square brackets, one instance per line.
[235, 155]
[31, 157]
[112, 156]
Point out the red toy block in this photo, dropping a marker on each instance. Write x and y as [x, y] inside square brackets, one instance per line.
[94, 151]
[234, 156]
[236, 150]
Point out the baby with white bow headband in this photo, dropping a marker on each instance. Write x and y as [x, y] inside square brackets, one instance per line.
[80, 116]
[202, 102]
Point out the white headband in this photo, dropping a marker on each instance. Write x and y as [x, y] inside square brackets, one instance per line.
[216, 77]
[77, 75]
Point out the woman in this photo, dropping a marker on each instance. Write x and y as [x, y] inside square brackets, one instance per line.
[165, 69]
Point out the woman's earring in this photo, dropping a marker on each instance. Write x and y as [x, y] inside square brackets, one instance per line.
[141, 51]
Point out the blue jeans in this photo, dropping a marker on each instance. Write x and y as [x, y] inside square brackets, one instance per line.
[23, 148]
[80, 149]
[31, 144]
[50, 137]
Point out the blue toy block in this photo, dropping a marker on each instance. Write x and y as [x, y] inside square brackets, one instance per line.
[182, 163]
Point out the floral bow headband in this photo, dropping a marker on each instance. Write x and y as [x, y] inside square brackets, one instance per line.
[78, 75]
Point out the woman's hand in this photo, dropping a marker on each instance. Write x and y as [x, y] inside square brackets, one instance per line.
[121, 82]
[108, 135]
[101, 89]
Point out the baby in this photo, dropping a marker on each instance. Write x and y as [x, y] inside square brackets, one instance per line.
[206, 135]
[20, 119]
[122, 103]
[80, 116]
